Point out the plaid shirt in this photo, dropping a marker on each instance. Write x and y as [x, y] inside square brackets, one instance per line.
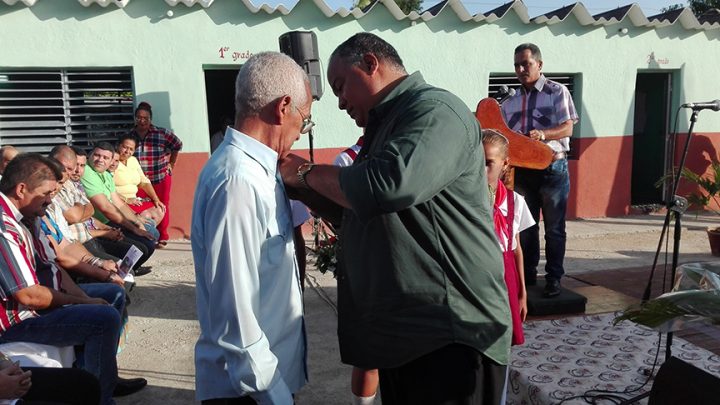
[68, 196]
[153, 152]
[547, 105]
[90, 222]
[17, 265]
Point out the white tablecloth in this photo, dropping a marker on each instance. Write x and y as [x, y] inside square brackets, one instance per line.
[567, 357]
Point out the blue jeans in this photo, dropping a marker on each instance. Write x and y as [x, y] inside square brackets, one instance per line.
[115, 297]
[151, 227]
[547, 191]
[94, 327]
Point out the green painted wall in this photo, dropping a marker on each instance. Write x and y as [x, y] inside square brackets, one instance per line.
[168, 55]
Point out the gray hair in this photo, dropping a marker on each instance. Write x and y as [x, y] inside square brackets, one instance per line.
[265, 77]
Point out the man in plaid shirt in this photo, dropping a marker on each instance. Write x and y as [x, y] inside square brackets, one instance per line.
[157, 151]
[543, 110]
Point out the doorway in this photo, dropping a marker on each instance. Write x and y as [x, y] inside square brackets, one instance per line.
[652, 106]
[220, 96]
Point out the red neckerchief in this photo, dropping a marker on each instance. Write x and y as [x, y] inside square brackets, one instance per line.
[501, 226]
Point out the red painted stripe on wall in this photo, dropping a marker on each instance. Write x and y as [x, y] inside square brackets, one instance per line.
[600, 177]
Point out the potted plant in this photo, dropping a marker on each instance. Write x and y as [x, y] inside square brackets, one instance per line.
[707, 197]
[695, 298]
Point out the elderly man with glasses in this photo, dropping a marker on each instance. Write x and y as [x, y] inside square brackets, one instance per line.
[251, 347]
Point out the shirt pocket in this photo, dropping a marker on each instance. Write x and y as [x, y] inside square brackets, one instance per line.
[277, 237]
[542, 116]
[274, 251]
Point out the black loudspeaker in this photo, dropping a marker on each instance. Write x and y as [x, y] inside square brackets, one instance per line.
[680, 383]
[302, 46]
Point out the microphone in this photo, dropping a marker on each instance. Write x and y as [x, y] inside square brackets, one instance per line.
[505, 93]
[708, 105]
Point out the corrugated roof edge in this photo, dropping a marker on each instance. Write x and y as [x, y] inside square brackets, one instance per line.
[683, 16]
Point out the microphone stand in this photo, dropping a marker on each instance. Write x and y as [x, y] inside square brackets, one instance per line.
[676, 207]
[504, 96]
[310, 145]
[316, 220]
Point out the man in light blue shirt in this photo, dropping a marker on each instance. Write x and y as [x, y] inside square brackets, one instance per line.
[249, 302]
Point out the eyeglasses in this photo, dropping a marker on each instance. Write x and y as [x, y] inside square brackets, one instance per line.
[307, 123]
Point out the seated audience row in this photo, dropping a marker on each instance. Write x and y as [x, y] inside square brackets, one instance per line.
[63, 233]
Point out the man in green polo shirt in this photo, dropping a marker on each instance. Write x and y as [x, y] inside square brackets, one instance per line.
[421, 292]
[109, 207]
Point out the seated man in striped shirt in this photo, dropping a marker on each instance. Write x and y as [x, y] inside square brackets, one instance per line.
[73, 256]
[39, 299]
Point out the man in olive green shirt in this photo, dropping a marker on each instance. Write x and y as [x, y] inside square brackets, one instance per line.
[421, 292]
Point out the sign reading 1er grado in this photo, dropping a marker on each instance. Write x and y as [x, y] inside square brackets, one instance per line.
[226, 53]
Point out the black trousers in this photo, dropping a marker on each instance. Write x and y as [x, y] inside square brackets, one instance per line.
[96, 248]
[453, 375]
[114, 247]
[62, 386]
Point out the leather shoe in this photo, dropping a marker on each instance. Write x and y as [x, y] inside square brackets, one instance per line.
[552, 288]
[141, 271]
[127, 386]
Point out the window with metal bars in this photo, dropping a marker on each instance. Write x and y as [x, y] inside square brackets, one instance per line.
[497, 80]
[42, 108]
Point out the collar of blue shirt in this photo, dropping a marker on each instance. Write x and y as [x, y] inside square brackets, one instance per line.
[258, 151]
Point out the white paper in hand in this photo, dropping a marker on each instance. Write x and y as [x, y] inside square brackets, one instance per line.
[128, 262]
